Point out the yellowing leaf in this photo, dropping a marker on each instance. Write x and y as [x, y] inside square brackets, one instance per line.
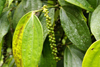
[10, 1]
[28, 41]
[92, 56]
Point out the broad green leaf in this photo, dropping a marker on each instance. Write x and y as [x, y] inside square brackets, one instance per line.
[81, 3]
[98, 2]
[47, 57]
[93, 3]
[63, 2]
[24, 7]
[28, 41]
[92, 56]
[0, 50]
[73, 57]
[11, 62]
[5, 65]
[43, 22]
[10, 1]
[95, 23]
[74, 25]
[4, 25]
[60, 63]
[50, 2]
[2, 2]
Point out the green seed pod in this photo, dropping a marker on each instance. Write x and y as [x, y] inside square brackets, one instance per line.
[47, 20]
[47, 16]
[57, 57]
[49, 25]
[47, 12]
[51, 33]
[53, 38]
[54, 44]
[52, 28]
[53, 41]
[55, 54]
[55, 51]
[51, 46]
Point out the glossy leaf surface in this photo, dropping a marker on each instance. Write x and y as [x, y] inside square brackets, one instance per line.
[2, 2]
[24, 7]
[95, 23]
[81, 3]
[0, 50]
[10, 1]
[63, 2]
[4, 25]
[28, 41]
[43, 22]
[47, 57]
[92, 56]
[93, 3]
[74, 25]
[73, 57]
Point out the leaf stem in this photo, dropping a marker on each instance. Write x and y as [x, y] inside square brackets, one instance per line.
[47, 7]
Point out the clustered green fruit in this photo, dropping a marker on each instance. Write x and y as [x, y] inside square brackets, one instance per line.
[51, 33]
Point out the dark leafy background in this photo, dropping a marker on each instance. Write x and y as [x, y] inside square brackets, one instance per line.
[76, 25]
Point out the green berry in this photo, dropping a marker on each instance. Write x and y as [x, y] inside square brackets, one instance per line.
[49, 18]
[53, 38]
[57, 57]
[54, 44]
[50, 40]
[49, 25]
[47, 12]
[52, 28]
[51, 32]
[51, 46]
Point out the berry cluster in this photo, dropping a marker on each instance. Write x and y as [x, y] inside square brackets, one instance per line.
[51, 33]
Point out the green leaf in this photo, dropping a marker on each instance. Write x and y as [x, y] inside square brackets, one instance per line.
[43, 22]
[4, 25]
[0, 50]
[2, 2]
[93, 3]
[24, 7]
[73, 57]
[10, 1]
[74, 25]
[63, 2]
[60, 63]
[46, 57]
[28, 41]
[95, 23]
[11, 62]
[92, 56]
[81, 3]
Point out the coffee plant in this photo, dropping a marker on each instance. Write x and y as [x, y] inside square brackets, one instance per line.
[49, 33]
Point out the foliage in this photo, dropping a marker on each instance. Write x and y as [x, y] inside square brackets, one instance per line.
[49, 33]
